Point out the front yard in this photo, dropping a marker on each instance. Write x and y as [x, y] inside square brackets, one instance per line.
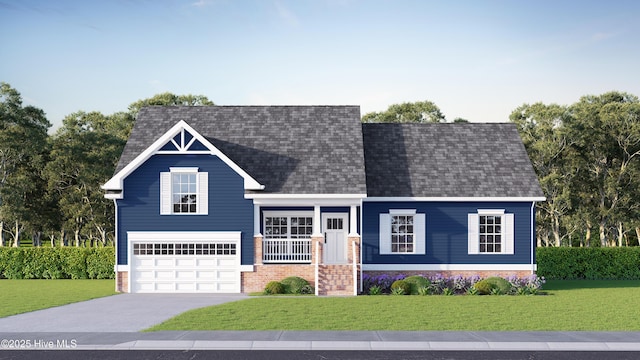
[20, 296]
[579, 305]
[568, 305]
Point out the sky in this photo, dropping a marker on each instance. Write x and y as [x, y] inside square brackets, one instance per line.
[477, 60]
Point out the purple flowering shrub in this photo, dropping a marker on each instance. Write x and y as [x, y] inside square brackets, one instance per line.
[457, 284]
[383, 281]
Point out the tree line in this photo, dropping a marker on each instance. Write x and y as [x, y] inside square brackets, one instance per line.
[586, 156]
[50, 184]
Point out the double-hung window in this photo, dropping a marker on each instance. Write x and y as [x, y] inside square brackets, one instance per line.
[490, 232]
[402, 232]
[184, 190]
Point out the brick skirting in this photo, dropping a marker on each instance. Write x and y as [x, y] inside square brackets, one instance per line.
[122, 281]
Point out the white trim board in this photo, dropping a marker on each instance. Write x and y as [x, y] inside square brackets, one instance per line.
[449, 267]
[456, 199]
[116, 182]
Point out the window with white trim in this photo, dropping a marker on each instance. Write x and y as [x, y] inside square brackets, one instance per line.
[490, 232]
[402, 232]
[287, 236]
[184, 191]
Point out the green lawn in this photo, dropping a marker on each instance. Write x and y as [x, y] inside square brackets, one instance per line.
[567, 305]
[20, 296]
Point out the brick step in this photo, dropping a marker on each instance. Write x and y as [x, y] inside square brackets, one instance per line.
[335, 280]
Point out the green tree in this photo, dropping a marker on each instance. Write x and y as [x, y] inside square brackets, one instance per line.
[543, 129]
[420, 112]
[587, 157]
[607, 133]
[23, 152]
[84, 155]
[169, 99]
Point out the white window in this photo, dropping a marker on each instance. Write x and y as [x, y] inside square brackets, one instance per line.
[402, 232]
[490, 232]
[287, 237]
[288, 226]
[184, 191]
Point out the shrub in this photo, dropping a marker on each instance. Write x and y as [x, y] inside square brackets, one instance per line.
[57, 263]
[493, 285]
[307, 289]
[566, 263]
[402, 285]
[375, 290]
[417, 282]
[99, 265]
[383, 281]
[483, 287]
[273, 288]
[294, 284]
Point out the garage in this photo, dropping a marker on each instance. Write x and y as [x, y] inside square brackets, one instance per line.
[184, 262]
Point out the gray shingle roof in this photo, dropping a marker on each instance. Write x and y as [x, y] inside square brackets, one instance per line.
[326, 150]
[447, 160]
[289, 149]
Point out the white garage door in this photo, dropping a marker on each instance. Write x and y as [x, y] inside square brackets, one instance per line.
[184, 262]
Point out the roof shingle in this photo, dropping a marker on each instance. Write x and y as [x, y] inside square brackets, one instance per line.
[447, 160]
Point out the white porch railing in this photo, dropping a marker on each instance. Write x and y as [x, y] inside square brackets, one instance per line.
[286, 250]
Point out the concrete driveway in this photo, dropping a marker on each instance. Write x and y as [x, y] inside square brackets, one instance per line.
[117, 313]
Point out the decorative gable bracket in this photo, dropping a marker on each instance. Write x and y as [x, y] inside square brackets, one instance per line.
[180, 139]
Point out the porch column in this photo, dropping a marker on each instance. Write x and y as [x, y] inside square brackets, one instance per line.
[353, 221]
[317, 237]
[316, 222]
[257, 236]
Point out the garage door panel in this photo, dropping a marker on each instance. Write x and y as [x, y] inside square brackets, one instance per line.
[231, 263]
[203, 267]
[180, 262]
[226, 275]
[185, 287]
[160, 262]
[206, 275]
[142, 262]
[185, 275]
[206, 262]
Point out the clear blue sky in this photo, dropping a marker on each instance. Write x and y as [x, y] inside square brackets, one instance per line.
[478, 60]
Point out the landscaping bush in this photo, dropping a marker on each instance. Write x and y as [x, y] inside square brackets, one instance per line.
[57, 263]
[566, 263]
[274, 288]
[383, 281]
[401, 285]
[417, 282]
[483, 287]
[294, 284]
[493, 285]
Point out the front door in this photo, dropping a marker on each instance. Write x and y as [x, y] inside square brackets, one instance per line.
[335, 237]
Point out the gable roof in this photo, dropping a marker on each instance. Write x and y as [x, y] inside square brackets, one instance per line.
[287, 149]
[459, 160]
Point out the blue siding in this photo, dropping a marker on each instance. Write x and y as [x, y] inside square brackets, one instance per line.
[446, 233]
[139, 210]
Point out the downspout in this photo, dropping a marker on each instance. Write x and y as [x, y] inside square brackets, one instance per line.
[533, 226]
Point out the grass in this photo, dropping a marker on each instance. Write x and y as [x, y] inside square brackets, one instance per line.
[567, 305]
[20, 296]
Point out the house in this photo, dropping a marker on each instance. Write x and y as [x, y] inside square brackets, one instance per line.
[228, 198]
